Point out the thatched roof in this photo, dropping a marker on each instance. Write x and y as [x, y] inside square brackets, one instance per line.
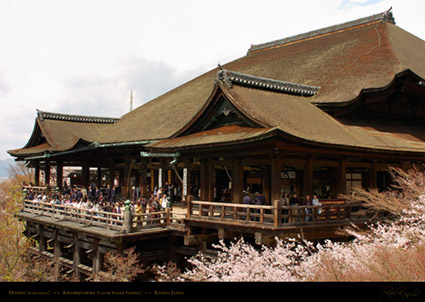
[55, 132]
[288, 85]
[341, 63]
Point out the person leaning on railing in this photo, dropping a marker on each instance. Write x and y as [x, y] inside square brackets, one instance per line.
[316, 202]
[285, 203]
[294, 201]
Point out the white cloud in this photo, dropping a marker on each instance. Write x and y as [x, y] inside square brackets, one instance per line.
[84, 57]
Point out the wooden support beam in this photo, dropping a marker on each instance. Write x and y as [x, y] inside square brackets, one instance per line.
[99, 177]
[59, 174]
[68, 272]
[126, 178]
[37, 173]
[143, 180]
[69, 246]
[47, 173]
[204, 179]
[85, 173]
[262, 239]
[111, 172]
[57, 254]
[267, 183]
[42, 240]
[276, 179]
[342, 177]
[225, 234]
[211, 182]
[199, 239]
[90, 251]
[76, 258]
[96, 261]
[237, 181]
[277, 213]
[373, 175]
[308, 177]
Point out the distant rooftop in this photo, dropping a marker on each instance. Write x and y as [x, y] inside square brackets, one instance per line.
[386, 16]
[75, 118]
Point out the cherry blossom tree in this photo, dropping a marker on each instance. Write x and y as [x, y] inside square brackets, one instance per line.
[393, 250]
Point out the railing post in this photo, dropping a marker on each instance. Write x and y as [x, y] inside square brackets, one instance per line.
[127, 218]
[277, 213]
[168, 216]
[189, 208]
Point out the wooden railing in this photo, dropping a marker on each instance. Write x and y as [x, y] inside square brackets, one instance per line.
[154, 219]
[36, 189]
[276, 215]
[230, 211]
[242, 214]
[107, 220]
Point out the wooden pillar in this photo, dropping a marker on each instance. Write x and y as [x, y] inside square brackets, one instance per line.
[85, 173]
[211, 182]
[59, 174]
[41, 240]
[152, 186]
[111, 172]
[76, 258]
[96, 261]
[299, 182]
[277, 215]
[276, 179]
[126, 177]
[99, 177]
[143, 180]
[237, 181]
[308, 177]
[57, 254]
[204, 179]
[47, 173]
[341, 179]
[267, 184]
[37, 173]
[373, 175]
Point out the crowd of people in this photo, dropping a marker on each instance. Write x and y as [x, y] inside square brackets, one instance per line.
[259, 199]
[107, 199]
[94, 199]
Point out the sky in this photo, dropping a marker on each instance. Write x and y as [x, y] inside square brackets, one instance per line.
[85, 56]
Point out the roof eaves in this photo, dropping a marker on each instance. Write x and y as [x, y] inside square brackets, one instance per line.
[386, 16]
[42, 115]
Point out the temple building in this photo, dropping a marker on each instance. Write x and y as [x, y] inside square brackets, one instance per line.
[320, 112]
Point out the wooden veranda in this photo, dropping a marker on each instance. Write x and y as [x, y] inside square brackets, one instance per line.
[78, 238]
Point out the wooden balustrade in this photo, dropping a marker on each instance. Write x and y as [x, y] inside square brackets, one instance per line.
[230, 211]
[36, 189]
[276, 215]
[107, 220]
[268, 216]
[103, 219]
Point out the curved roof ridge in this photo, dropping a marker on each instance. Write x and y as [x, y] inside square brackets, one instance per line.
[233, 77]
[386, 16]
[75, 118]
